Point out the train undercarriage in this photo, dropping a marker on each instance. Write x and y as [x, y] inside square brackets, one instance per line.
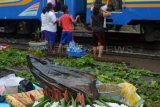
[150, 31]
[19, 26]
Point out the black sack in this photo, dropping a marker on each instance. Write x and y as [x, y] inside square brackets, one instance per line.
[25, 85]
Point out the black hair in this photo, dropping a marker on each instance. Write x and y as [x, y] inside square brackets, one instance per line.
[65, 8]
[96, 9]
[44, 10]
[49, 7]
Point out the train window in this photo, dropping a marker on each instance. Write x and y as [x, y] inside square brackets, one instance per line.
[112, 5]
[57, 4]
[115, 5]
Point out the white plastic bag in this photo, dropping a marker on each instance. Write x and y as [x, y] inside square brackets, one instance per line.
[10, 82]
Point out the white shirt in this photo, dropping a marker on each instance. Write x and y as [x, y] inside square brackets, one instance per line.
[43, 22]
[51, 22]
[104, 7]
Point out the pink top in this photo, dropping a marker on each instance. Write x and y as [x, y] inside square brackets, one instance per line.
[52, 1]
[66, 22]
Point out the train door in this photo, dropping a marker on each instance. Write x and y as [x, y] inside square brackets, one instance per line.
[76, 7]
[114, 6]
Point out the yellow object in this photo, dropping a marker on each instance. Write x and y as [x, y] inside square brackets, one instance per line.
[14, 103]
[129, 93]
[4, 3]
[25, 99]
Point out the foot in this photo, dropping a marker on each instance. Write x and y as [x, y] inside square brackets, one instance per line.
[99, 56]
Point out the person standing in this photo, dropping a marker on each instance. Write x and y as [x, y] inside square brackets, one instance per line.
[104, 7]
[51, 27]
[66, 22]
[44, 24]
[97, 22]
[59, 4]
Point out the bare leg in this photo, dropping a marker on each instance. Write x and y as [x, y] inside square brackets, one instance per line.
[100, 51]
[94, 51]
[53, 49]
[50, 48]
[60, 48]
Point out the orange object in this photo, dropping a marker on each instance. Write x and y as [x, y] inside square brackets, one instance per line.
[65, 94]
[25, 99]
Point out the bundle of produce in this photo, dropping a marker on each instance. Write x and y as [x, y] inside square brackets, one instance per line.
[100, 102]
[56, 79]
[25, 99]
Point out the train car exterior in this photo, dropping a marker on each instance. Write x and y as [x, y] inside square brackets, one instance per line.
[132, 10]
[143, 12]
[17, 15]
[20, 9]
[23, 16]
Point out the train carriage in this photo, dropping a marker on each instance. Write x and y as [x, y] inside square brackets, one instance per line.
[20, 15]
[17, 13]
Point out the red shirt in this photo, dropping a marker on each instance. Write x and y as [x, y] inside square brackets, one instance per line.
[66, 22]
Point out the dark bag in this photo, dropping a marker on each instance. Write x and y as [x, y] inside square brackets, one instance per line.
[25, 85]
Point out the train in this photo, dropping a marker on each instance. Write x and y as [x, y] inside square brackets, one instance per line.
[23, 16]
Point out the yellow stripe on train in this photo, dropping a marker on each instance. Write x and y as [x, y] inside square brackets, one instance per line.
[8, 1]
[13, 3]
[104, 1]
[140, 0]
[137, 6]
[91, 1]
[141, 5]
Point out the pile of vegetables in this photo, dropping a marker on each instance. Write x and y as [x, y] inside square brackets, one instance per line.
[101, 102]
[10, 58]
[147, 82]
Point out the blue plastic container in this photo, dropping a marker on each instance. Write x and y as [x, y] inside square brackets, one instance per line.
[76, 54]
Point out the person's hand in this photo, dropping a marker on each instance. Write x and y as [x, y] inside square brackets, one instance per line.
[78, 16]
[109, 13]
[106, 14]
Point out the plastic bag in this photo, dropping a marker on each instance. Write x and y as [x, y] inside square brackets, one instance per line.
[2, 92]
[10, 82]
[2, 89]
[129, 93]
[25, 85]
